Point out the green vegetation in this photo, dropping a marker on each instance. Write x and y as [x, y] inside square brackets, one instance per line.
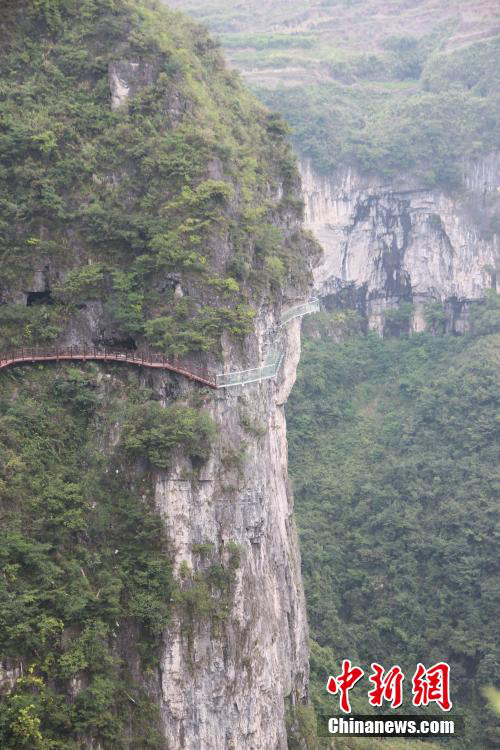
[386, 744]
[206, 593]
[438, 112]
[384, 86]
[301, 727]
[86, 584]
[178, 180]
[28, 326]
[394, 459]
[153, 432]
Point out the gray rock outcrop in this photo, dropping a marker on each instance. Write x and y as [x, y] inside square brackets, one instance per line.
[396, 241]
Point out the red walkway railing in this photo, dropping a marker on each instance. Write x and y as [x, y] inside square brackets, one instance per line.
[141, 359]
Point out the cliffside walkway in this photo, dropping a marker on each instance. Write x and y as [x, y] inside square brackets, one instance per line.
[141, 359]
[275, 357]
[158, 361]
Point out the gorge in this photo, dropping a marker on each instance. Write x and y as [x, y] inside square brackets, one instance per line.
[152, 594]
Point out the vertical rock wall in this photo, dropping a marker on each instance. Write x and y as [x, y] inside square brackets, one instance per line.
[400, 242]
[224, 687]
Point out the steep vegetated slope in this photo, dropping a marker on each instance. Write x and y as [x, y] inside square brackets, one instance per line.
[436, 108]
[86, 587]
[133, 207]
[388, 87]
[146, 199]
[394, 460]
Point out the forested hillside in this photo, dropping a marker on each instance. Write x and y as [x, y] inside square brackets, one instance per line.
[389, 87]
[105, 202]
[394, 448]
[146, 199]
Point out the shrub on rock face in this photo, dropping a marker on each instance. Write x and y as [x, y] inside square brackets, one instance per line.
[152, 432]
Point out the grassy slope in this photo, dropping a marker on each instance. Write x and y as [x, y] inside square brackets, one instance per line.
[389, 86]
[394, 459]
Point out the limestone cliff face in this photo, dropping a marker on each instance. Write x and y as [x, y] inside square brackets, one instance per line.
[227, 685]
[227, 688]
[393, 242]
[195, 184]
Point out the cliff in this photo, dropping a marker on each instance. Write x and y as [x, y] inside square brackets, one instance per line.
[394, 241]
[147, 201]
[227, 690]
[394, 115]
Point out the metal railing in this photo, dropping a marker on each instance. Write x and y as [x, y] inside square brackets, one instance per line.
[297, 312]
[156, 360]
[270, 369]
[243, 377]
[84, 353]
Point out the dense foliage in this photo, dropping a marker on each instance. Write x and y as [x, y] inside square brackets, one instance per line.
[389, 87]
[434, 114]
[86, 582]
[153, 431]
[394, 459]
[121, 206]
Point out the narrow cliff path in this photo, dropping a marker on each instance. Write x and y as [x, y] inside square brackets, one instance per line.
[158, 361]
[141, 359]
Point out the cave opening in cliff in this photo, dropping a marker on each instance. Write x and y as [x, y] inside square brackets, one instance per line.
[39, 298]
[124, 344]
